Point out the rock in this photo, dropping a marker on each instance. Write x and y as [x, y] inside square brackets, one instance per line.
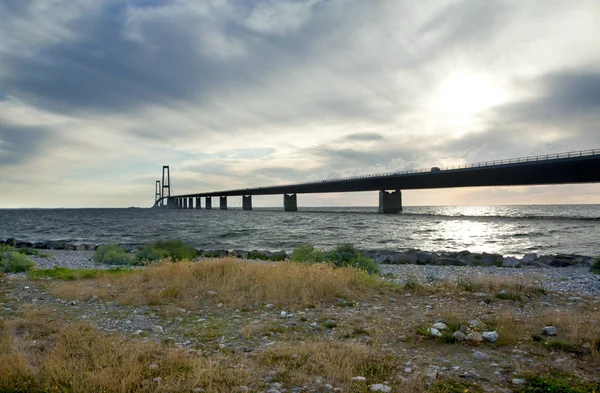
[403, 259]
[518, 381]
[528, 258]
[474, 338]
[490, 336]
[211, 293]
[359, 379]
[475, 323]
[220, 305]
[434, 332]
[424, 257]
[459, 336]
[157, 380]
[481, 355]
[431, 372]
[273, 391]
[449, 262]
[490, 259]
[198, 390]
[153, 366]
[550, 330]
[575, 299]
[270, 375]
[440, 326]
[379, 387]
[157, 329]
[242, 389]
[269, 306]
[511, 262]
[463, 329]
[408, 370]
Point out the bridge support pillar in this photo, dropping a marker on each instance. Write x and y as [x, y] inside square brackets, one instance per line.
[290, 202]
[198, 204]
[223, 203]
[185, 203]
[172, 203]
[191, 203]
[390, 202]
[208, 203]
[247, 202]
[179, 203]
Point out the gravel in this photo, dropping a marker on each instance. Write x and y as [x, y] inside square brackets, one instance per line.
[577, 280]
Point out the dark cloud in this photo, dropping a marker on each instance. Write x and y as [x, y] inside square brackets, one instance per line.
[19, 144]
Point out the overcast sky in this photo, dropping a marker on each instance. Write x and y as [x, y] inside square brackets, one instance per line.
[96, 95]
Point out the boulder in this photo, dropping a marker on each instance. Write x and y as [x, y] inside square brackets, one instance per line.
[511, 262]
[474, 338]
[550, 331]
[39, 245]
[11, 241]
[481, 355]
[528, 258]
[490, 336]
[444, 261]
[459, 336]
[440, 326]
[434, 332]
[403, 259]
[424, 257]
[23, 244]
[490, 259]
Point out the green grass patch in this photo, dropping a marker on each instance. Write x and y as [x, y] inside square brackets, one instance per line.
[63, 273]
[307, 253]
[557, 381]
[15, 262]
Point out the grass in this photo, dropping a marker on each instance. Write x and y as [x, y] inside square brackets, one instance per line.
[63, 273]
[38, 354]
[238, 283]
[595, 268]
[175, 250]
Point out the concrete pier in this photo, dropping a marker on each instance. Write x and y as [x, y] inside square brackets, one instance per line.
[290, 202]
[390, 202]
[198, 203]
[185, 203]
[247, 202]
[208, 203]
[223, 203]
[191, 203]
[172, 203]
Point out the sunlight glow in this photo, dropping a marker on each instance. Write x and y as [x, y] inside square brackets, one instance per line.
[466, 94]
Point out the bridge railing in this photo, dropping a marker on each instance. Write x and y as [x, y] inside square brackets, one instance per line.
[543, 157]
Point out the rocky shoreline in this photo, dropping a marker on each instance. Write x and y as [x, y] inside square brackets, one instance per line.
[384, 257]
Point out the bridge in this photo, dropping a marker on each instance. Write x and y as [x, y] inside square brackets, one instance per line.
[561, 168]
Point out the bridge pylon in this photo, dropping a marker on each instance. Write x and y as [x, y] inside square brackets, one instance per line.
[157, 194]
[165, 185]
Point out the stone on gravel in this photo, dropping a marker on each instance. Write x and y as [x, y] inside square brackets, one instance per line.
[379, 387]
[550, 330]
[459, 336]
[359, 379]
[157, 380]
[153, 366]
[440, 326]
[490, 336]
[518, 381]
[481, 355]
[157, 329]
[434, 332]
[474, 338]
[211, 293]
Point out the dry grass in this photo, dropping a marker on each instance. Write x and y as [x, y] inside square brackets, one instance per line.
[237, 283]
[39, 354]
[337, 362]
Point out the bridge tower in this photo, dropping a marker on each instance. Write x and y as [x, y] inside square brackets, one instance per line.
[157, 193]
[166, 184]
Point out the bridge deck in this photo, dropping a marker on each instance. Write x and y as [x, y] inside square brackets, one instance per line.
[563, 168]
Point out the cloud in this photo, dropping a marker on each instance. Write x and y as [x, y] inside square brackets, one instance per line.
[251, 93]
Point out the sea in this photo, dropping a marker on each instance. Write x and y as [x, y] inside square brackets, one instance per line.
[507, 230]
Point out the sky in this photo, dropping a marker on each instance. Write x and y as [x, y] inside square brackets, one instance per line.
[97, 95]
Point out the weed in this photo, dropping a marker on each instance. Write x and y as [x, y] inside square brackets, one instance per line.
[306, 253]
[557, 381]
[595, 268]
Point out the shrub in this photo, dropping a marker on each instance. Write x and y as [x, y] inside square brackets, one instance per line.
[595, 268]
[176, 250]
[347, 255]
[14, 262]
[111, 255]
[306, 253]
